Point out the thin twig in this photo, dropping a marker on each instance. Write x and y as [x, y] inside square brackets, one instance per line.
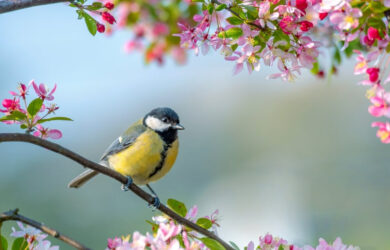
[111, 173]
[15, 216]
[11, 5]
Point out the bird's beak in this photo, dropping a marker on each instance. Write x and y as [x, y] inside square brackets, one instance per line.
[178, 127]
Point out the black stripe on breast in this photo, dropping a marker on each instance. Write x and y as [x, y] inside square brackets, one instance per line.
[163, 155]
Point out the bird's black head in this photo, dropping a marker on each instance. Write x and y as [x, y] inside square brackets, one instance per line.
[162, 119]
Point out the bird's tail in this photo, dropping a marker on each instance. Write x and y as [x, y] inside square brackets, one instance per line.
[82, 178]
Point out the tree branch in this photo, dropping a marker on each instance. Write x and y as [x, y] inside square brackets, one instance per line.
[11, 5]
[111, 173]
[13, 215]
[229, 8]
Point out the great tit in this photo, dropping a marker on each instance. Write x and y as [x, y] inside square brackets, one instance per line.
[145, 152]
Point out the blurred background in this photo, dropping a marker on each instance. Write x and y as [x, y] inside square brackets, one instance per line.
[298, 160]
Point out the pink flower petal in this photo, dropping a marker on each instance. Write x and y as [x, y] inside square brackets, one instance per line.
[42, 89]
[54, 134]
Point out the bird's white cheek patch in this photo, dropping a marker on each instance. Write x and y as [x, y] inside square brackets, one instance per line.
[156, 124]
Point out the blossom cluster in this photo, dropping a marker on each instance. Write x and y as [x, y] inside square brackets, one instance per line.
[167, 234]
[153, 24]
[290, 34]
[31, 115]
[89, 11]
[269, 242]
[28, 237]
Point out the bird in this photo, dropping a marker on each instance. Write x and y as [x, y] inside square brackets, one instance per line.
[144, 153]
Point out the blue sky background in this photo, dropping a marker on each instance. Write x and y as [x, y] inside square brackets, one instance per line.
[298, 160]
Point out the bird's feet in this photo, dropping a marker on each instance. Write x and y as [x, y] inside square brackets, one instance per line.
[128, 184]
[156, 203]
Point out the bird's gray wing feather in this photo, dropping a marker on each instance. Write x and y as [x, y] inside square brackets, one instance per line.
[124, 141]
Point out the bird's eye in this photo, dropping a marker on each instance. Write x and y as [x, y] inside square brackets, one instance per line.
[164, 119]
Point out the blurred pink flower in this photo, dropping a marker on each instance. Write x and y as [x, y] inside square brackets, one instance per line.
[346, 19]
[43, 91]
[47, 133]
[22, 90]
[380, 106]
[383, 131]
[288, 24]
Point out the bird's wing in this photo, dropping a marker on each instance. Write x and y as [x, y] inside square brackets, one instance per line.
[125, 140]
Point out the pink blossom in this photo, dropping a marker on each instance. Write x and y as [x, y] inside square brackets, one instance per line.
[23, 89]
[10, 105]
[346, 19]
[43, 91]
[249, 56]
[287, 74]
[363, 61]
[192, 212]
[383, 132]
[167, 231]
[327, 5]
[179, 54]
[248, 35]
[269, 242]
[251, 246]
[45, 133]
[380, 106]
[308, 51]
[133, 45]
[288, 24]
[160, 29]
[265, 17]
[32, 235]
[347, 37]
[337, 244]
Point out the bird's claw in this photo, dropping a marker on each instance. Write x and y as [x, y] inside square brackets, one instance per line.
[128, 184]
[156, 203]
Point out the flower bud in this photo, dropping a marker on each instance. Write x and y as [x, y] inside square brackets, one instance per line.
[100, 27]
[108, 18]
[109, 5]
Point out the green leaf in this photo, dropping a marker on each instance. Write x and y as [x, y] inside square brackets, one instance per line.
[234, 245]
[234, 32]
[234, 20]
[34, 106]
[204, 222]
[376, 23]
[80, 14]
[337, 56]
[221, 7]
[91, 24]
[23, 126]
[197, 1]
[19, 244]
[210, 8]
[316, 68]
[177, 206]
[57, 118]
[212, 244]
[3, 243]
[377, 7]
[251, 12]
[95, 6]
[154, 226]
[14, 116]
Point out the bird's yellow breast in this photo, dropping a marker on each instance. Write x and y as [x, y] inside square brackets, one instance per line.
[147, 159]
